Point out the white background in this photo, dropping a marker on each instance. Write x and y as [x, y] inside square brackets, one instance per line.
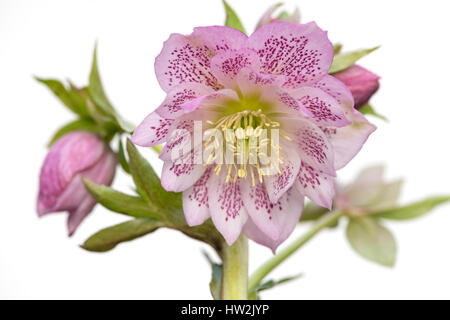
[56, 38]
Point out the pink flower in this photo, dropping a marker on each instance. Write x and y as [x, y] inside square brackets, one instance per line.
[75, 156]
[267, 17]
[276, 78]
[368, 193]
[362, 83]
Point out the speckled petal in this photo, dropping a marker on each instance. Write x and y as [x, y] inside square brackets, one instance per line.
[311, 143]
[289, 222]
[181, 174]
[316, 185]
[171, 107]
[195, 200]
[302, 52]
[152, 131]
[216, 99]
[324, 109]
[179, 140]
[275, 220]
[277, 184]
[227, 209]
[348, 141]
[226, 65]
[337, 89]
[186, 59]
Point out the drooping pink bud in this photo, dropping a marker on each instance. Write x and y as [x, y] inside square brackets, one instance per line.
[361, 82]
[75, 156]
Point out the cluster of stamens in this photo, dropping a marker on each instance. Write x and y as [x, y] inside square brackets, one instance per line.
[248, 135]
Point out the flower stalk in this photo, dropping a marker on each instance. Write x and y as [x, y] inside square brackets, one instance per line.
[259, 274]
[235, 270]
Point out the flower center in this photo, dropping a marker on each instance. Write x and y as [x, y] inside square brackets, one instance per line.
[250, 136]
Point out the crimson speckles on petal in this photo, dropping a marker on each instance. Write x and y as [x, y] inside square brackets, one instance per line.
[190, 64]
[226, 65]
[308, 177]
[316, 185]
[200, 190]
[313, 145]
[261, 200]
[294, 51]
[230, 200]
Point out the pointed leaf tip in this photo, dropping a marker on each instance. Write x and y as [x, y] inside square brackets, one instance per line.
[231, 19]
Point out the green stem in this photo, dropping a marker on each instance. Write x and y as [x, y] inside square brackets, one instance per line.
[324, 222]
[235, 270]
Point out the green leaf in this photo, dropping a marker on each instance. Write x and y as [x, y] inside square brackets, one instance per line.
[414, 210]
[337, 48]
[122, 158]
[80, 124]
[79, 97]
[109, 238]
[371, 240]
[147, 181]
[120, 202]
[253, 294]
[64, 95]
[98, 96]
[232, 20]
[346, 60]
[368, 109]
[96, 90]
[216, 277]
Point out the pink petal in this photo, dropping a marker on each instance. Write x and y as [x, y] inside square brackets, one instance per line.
[185, 59]
[316, 185]
[152, 131]
[348, 141]
[325, 110]
[277, 184]
[289, 221]
[337, 89]
[252, 82]
[181, 174]
[79, 214]
[226, 65]
[195, 201]
[311, 143]
[171, 107]
[179, 140]
[214, 99]
[275, 220]
[302, 52]
[103, 174]
[287, 103]
[227, 209]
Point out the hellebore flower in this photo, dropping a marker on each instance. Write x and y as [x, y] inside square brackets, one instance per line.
[275, 79]
[267, 17]
[75, 156]
[362, 83]
[368, 193]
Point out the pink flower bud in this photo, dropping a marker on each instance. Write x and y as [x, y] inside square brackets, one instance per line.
[75, 156]
[361, 82]
[267, 17]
